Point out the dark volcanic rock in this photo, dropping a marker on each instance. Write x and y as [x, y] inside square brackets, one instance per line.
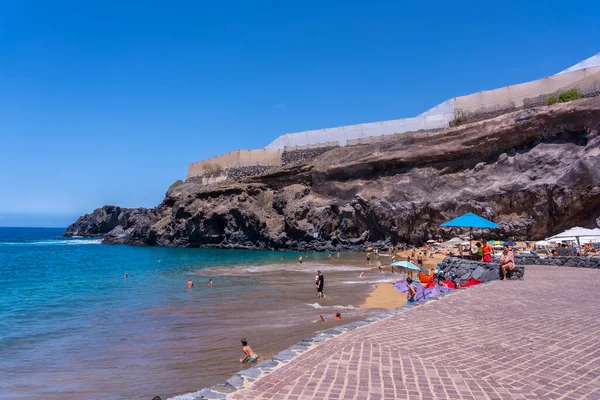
[463, 269]
[105, 219]
[535, 172]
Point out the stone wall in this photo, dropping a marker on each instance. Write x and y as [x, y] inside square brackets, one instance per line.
[571, 261]
[238, 173]
[464, 269]
[293, 156]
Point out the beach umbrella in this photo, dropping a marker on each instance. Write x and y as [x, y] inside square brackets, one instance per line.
[510, 243]
[405, 264]
[470, 220]
[576, 233]
[452, 242]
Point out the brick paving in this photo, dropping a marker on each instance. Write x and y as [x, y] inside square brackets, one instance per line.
[532, 339]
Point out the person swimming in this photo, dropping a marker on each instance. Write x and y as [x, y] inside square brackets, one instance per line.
[210, 283]
[250, 355]
[337, 317]
[126, 275]
[189, 283]
[362, 275]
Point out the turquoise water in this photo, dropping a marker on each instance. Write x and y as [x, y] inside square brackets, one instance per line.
[72, 327]
[57, 295]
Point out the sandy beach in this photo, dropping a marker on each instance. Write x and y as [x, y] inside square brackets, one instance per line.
[385, 296]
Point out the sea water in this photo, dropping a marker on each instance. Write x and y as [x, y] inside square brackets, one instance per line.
[72, 326]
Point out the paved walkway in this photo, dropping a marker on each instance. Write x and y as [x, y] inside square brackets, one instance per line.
[532, 339]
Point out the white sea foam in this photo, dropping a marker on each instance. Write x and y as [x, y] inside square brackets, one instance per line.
[367, 281]
[242, 270]
[340, 307]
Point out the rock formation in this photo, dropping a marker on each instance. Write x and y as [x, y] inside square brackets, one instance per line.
[534, 171]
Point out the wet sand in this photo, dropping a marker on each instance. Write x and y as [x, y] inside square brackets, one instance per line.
[385, 296]
[273, 306]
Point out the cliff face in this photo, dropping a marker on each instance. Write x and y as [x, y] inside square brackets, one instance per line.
[535, 172]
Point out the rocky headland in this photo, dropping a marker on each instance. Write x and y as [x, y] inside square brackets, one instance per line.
[534, 171]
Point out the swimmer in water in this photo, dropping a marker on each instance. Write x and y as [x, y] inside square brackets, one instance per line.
[337, 317]
[250, 355]
[126, 275]
[189, 283]
[300, 259]
[210, 283]
[362, 275]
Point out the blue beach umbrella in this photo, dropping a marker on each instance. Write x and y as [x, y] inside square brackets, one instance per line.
[405, 264]
[470, 220]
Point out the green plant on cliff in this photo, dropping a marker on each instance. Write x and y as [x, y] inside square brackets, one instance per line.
[569, 95]
[552, 99]
[564, 97]
[176, 183]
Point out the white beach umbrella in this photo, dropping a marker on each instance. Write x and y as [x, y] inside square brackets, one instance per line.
[574, 234]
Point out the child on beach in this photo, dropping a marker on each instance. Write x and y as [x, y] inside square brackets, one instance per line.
[250, 355]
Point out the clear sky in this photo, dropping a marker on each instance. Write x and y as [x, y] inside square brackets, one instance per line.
[107, 102]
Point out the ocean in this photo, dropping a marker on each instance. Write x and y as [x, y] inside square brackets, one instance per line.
[73, 327]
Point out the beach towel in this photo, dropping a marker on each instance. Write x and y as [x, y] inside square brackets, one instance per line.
[422, 291]
[472, 282]
[449, 284]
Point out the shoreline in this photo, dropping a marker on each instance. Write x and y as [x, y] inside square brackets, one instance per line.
[244, 378]
[382, 301]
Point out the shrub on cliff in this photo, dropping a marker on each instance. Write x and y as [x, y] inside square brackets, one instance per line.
[564, 97]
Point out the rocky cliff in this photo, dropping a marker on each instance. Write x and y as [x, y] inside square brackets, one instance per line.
[534, 171]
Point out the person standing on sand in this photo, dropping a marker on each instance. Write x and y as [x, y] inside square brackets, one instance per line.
[189, 283]
[410, 296]
[320, 283]
[487, 252]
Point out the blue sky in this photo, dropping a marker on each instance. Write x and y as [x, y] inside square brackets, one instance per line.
[108, 102]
